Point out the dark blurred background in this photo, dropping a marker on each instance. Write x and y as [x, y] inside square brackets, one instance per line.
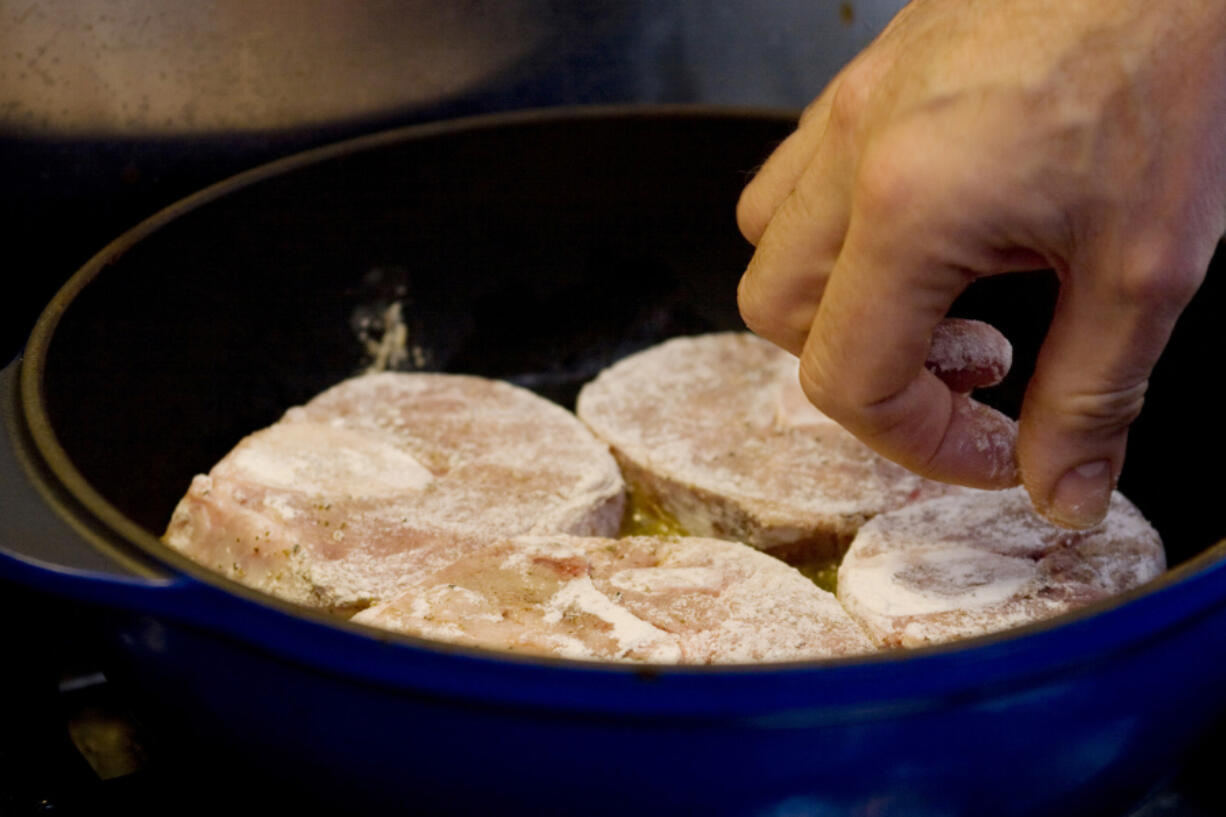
[111, 109]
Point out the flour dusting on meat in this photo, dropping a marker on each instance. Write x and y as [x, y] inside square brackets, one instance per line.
[652, 599]
[715, 431]
[354, 492]
[985, 561]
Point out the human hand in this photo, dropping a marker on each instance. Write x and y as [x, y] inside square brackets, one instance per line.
[977, 138]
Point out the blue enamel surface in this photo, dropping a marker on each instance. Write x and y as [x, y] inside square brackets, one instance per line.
[1065, 721]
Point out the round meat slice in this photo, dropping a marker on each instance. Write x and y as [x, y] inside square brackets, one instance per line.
[334, 505]
[649, 599]
[715, 432]
[984, 561]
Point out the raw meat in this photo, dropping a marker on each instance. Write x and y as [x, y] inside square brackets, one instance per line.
[335, 505]
[715, 432]
[984, 561]
[650, 599]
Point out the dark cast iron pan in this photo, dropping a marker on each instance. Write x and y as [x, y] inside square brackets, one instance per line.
[540, 247]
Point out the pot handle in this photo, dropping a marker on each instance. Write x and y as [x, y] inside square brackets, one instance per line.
[50, 545]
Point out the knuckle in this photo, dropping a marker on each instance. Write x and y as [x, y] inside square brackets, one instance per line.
[892, 177]
[893, 427]
[1161, 274]
[851, 97]
[847, 403]
[884, 184]
[764, 317]
[814, 109]
[758, 309]
[748, 303]
[752, 214]
[814, 384]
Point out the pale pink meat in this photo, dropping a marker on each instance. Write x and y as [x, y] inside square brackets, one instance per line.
[647, 599]
[713, 430]
[381, 476]
[984, 561]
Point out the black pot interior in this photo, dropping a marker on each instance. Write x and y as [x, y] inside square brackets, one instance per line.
[537, 249]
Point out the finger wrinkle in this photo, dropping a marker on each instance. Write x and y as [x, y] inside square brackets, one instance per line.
[1103, 411]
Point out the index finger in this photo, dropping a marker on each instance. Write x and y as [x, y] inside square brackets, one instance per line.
[774, 181]
[863, 360]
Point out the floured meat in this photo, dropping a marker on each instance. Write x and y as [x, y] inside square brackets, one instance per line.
[650, 599]
[380, 477]
[984, 561]
[716, 432]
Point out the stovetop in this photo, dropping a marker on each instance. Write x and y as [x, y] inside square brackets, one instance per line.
[69, 743]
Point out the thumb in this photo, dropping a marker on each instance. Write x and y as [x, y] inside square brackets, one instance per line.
[1111, 323]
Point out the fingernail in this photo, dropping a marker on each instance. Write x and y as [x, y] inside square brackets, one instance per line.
[1081, 496]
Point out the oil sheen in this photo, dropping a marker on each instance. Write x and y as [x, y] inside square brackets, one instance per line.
[643, 517]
